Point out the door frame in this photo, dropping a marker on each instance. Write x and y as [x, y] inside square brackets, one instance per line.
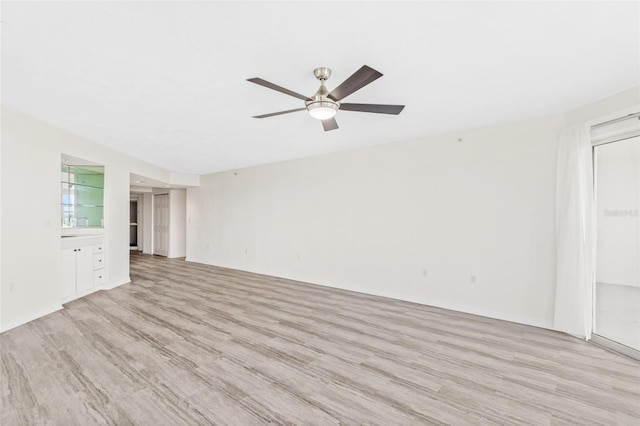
[596, 338]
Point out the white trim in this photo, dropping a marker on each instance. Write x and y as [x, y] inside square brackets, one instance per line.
[615, 138]
[80, 295]
[112, 286]
[421, 301]
[631, 116]
[615, 346]
[611, 116]
[44, 312]
[465, 309]
[490, 314]
[93, 290]
[624, 127]
[34, 316]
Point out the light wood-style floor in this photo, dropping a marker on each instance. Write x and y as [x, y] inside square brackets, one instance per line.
[194, 344]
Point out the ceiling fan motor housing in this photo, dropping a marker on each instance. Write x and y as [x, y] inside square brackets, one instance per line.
[321, 106]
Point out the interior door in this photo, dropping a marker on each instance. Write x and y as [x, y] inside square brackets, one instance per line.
[161, 225]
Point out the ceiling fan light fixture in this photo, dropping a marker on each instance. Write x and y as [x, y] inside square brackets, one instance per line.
[322, 110]
[324, 105]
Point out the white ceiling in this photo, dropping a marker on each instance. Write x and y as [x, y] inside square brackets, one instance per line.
[166, 81]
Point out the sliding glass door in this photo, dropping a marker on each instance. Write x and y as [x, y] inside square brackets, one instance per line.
[617, 291]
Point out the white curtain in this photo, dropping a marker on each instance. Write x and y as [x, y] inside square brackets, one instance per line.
[575, 233]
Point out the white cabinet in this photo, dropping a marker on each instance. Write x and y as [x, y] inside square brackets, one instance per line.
[83, 266]
[99, 277]
[77, 270]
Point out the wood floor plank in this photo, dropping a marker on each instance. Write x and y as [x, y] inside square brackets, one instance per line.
[187, 343]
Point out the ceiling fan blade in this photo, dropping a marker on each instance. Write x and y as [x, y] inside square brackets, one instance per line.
[278, 113]
[377, 108]
[357, 81]
[265, 83]
[330, 124]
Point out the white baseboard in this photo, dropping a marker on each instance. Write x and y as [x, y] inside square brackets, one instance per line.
[112, 286]
[79, 295]
[33, 316]
[453, 307]
[488, 313]
[422, 301]
[87, 292]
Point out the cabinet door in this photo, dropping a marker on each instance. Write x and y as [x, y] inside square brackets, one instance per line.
[68, 273]
[84, 268]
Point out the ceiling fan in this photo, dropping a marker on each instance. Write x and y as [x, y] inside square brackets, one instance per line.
[324, 104]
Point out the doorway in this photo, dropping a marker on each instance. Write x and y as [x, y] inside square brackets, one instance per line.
[616, 315]
[134, 213]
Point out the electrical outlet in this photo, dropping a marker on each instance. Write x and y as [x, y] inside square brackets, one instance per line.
[12, 287]
[425, 272]
[472, 279]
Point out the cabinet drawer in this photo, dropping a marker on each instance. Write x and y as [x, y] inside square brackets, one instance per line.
[98, 277]
[98, 261]
[98, 248]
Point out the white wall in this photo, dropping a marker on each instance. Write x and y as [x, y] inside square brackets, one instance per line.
[182, 179]
[371, 220]
[31, 254]
[1, 286]
[177, 223]
[617, 213]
